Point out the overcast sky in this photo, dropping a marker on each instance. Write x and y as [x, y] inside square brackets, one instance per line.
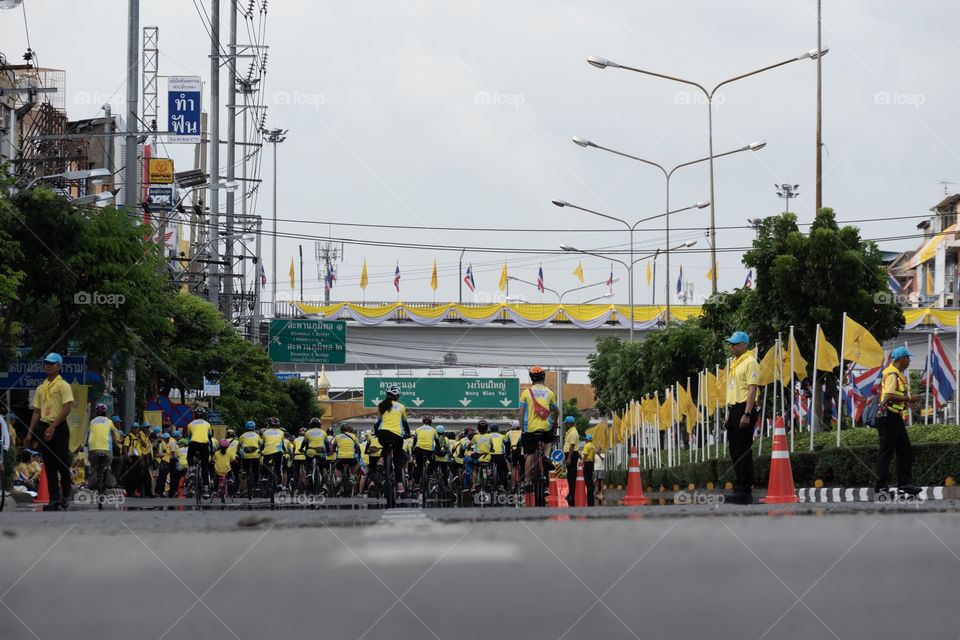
[461, 114]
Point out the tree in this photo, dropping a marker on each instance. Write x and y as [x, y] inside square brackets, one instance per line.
[624, 371]
[806, 279]
[571, 408]
[304, 400]
[88, 276]
[11, 276]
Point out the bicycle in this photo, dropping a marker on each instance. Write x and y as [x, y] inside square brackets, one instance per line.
[98, 495]
[539, 477]
[198, 483]
[346, 484]
[390, 487]
[223, 488]
[375, 482]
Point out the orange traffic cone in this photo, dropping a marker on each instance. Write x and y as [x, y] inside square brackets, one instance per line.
[43, 491]
[554, 499]
[780, 489]
[634, 495]
[580, 491]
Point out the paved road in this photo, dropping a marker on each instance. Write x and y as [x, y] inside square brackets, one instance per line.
[804, 571]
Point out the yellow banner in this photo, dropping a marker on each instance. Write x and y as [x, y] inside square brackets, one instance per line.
[77, 420]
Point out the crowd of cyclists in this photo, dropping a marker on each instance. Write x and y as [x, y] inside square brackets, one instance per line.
[428, 462]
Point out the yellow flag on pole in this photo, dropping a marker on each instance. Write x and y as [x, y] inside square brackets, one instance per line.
[600, 434]
[929, 280]
[768, 366]
[860, 346]
[710, 397]
[649, 274]
[710, 274]
[799, 364]
[433, 278]
[827, 358]
[363, 275]
[292, 275]
[503, 277]
[579, 272]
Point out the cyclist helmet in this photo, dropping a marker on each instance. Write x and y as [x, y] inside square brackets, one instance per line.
[303, 430]
[224, 444]
[427, 420]
[495, 428]
[274, 421]
[315, 421]
[440, 429]
[514, 424]
[345, 428]
[481, 423]
[250, 425]
[200, 413]
[182, 441]
[114, 418]
[231, 433]
[537, 374]
[468, 431]
[393, 391]
[101, 409]
[176, 433]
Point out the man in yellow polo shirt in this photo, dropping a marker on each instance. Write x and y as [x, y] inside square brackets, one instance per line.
[741, 416]
[52, 405]
[895, 401]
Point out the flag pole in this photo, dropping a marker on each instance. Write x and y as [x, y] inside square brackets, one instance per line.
[763, 418]
[843, 347]
[815, 389]
[793, 388]
[779, 381]
[716, 416]
[926, 398]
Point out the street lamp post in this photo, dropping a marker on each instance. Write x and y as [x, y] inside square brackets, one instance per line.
[628, 267]
[631, 228]
[275, 136]
[667, 174]
[561, 294]
[603, 63]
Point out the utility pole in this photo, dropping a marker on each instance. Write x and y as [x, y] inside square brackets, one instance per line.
[213, 275]
[131, 189]
[327, 254]
[275, 136]
[231, 161]
[819, 119]
[257, 284]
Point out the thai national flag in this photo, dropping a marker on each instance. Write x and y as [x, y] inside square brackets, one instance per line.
[801, 407]
[748, 283]
[396, 279]
[610, 279]
[468, 279]
[941, 374]
[330, 279]
[540, 279]
[680, 281]
[893, 283]
[867, 383]
[263, 275]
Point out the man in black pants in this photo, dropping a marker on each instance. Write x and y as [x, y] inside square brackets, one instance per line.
[52, 403]
[743, 380]
[895, 397]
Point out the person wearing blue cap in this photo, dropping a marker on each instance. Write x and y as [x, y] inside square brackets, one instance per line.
[895, 398]
[52, 405]
[743, 381]
[571, 452]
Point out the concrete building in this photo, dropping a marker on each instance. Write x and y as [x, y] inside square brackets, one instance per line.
[928, 275]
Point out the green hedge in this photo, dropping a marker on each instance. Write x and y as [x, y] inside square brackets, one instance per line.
[933, 462]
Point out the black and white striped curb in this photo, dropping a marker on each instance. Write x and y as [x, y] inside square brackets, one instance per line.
[867, 495]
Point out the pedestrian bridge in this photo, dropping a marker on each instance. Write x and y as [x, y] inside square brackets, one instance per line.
[382, 335]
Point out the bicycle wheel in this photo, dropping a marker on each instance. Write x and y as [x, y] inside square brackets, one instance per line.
[389, 486]
[197, 487]
[101, 485]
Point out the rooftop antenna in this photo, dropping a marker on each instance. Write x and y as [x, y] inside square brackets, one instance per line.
[945, 182]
